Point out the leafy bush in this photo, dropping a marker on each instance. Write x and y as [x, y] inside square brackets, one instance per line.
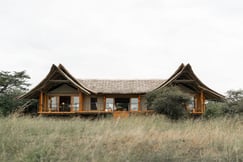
[9, 103]
[170, 101]
[234, 108]
[215, 109]
[231, 107]
[235, 102]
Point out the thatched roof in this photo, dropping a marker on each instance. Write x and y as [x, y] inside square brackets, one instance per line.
[121, 86]
[183, 76]
[56, 77]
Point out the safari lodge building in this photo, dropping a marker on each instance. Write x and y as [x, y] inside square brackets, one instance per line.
[60, 93]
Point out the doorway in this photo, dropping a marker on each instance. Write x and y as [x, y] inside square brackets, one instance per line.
[122, 104]
[65, 103]
[93, 103]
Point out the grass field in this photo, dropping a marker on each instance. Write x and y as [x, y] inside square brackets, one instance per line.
[146, 139]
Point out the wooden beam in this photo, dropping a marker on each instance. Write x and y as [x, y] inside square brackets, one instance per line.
[184, 81]
[45, 102]
[202, 101]
[104, 103]
[58, 103]
[202, 88]
[198, 103]
[59, 81]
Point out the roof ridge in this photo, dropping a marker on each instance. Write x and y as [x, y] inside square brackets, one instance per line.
[122, 86]
[119, 79]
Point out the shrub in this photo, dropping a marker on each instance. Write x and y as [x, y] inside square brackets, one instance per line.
[234, 102]
[170, 101]
[234, 108]
[215, 109]
[231, 107]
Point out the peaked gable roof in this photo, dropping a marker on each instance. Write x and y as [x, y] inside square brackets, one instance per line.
[185, 76]
[51, 81]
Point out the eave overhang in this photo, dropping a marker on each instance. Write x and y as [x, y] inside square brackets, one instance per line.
[185, 76]
[49, 82]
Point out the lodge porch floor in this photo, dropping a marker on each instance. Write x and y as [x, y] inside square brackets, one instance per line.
[97, 113]
[104, 113]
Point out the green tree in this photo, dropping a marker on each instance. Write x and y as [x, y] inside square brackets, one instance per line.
[215, 109]
[170, 101]
[235, 102]
[12, 85]
[233, 105]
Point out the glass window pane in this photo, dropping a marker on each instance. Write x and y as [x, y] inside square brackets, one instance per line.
[109, 104]
[134, 104]
[75, 103]
[191, 104]
[52, 103]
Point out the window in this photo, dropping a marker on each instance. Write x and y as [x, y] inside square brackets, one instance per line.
[52, 103]
[122, 104]
[134, 104]
[75, 103]
[93, 103]
[109, 104]
[65, 103]
[191, 104]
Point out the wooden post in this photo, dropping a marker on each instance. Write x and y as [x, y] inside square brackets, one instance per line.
[201, 101]
[71, 107]
[80, 101]
[104, 103]
[41, 102]
[58, 103]
[204, 106]
[195, 103]
[198, 106]
[45, 103]
[139, 103]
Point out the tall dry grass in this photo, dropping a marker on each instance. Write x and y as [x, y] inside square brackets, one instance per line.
[147, 139]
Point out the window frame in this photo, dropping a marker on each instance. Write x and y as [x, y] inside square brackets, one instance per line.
[134, 104]
[74, 106]
[106, 103]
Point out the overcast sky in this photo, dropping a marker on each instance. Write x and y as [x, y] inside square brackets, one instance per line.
[126, 39]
